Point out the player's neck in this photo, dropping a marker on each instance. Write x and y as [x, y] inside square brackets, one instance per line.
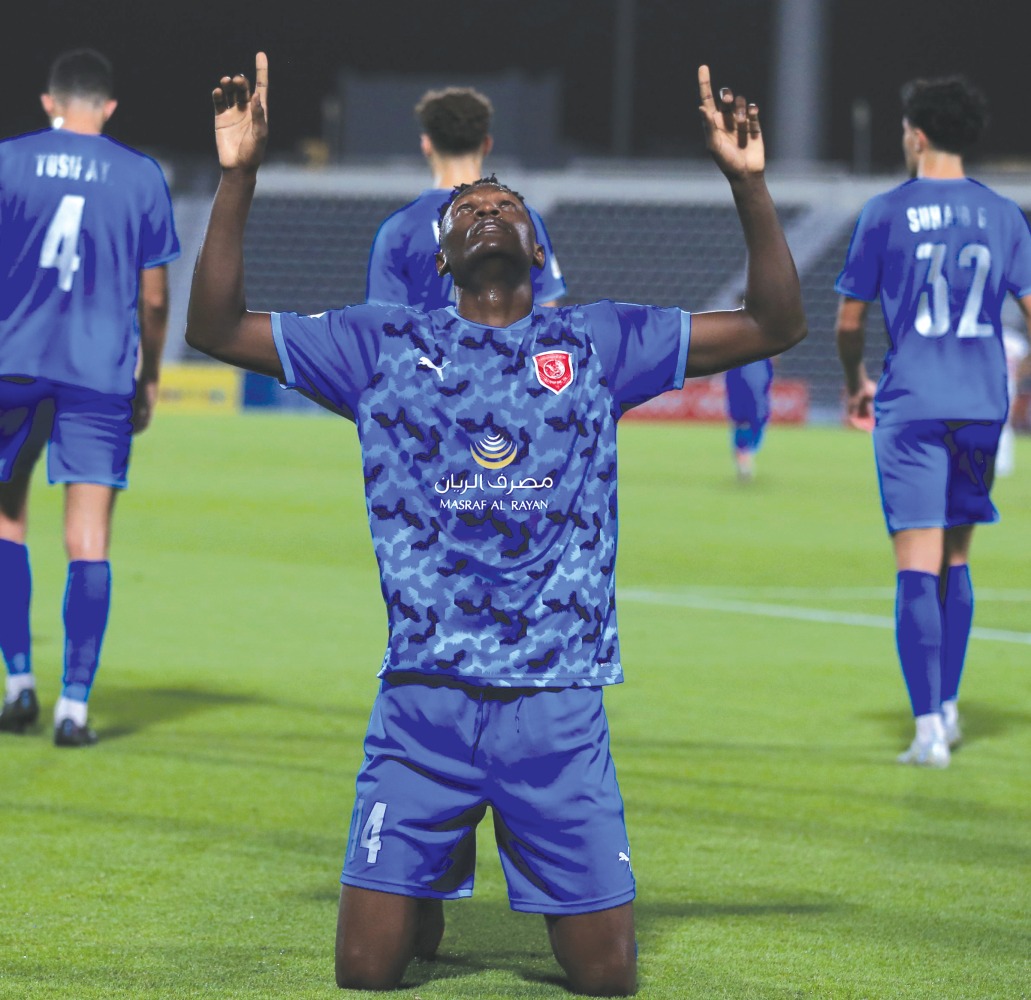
[939, 166]
[494, 304]
[79, 127]
[85, 117]
[451, 171]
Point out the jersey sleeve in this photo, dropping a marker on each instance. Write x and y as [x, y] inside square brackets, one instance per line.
[386, 280]
[159, 242]
[548, 283]
[861, 276]
[329, 357]
[643, 349]
[1018, 270]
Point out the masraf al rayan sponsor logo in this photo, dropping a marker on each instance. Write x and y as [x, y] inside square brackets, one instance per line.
[493, 490]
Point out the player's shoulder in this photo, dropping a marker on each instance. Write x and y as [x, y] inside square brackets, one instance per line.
[144, 161]
[411, 218]
[24, 138]
[426, 206]
[991, 195]
[887, 201]
[379, 314]
[13, 145]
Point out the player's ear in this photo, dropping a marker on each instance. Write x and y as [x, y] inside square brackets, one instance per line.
[442, 264]
[49, 107]
[425, 145]
[488, 145]
[109, 109]
[538, 256]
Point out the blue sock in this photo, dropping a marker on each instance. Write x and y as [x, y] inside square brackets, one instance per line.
[15, 637]
[958, 614]
[918, 635]
[87, 601]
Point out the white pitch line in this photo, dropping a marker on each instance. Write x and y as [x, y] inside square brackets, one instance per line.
[987, 594]
[704, 602]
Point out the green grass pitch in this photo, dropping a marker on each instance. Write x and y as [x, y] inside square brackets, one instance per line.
[779, 850]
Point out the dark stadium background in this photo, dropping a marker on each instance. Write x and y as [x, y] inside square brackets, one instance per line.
[168, 55]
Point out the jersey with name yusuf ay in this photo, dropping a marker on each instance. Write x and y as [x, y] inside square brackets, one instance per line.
[489, 458]
[943, 255]
[80, 215]
[403, 268]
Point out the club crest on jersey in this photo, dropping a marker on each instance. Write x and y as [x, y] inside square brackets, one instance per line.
[554, 370]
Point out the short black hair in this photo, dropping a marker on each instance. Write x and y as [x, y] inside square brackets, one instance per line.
[82, 73]
[490, 181]
[457, 119]
[950, 110]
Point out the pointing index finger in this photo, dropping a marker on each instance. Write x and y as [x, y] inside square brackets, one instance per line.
[705, 88]
[261, 79]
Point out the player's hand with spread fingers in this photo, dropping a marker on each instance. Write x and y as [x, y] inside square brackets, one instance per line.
[732, 132]
[241, 118]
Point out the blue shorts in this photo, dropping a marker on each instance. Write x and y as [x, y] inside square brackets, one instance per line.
[936, 473]
[437, 754]
[89, 433]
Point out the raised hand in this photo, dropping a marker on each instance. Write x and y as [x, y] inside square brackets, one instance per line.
[732, 132]
[241, 118]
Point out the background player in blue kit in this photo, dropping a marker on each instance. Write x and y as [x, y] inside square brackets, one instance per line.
[942, 252]
[455, 140]
[489, 459]
[748, 406]
[85, 232]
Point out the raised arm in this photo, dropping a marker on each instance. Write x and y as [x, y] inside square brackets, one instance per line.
[772, 318]
[218, 322]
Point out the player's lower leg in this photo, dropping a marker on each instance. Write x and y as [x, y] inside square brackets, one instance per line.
[20, 707]
[918, 635]
[597, 951]
[87, 604]
[958, 617]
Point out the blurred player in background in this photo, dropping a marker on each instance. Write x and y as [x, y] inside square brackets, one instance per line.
[455, 140]
[942, 252]
[85, 233]
[488, 434]
[748, 406]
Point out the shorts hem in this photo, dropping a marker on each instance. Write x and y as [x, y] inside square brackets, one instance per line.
[575, 906]
[121, 484]
[965, 522]
[415, 892]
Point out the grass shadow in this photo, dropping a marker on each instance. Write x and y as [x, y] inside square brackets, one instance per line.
[483, 936]
[978, 720]
[134, 709]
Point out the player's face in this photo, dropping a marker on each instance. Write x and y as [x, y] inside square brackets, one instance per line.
[487, 220]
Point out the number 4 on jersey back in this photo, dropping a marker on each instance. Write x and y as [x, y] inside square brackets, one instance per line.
[61, 243]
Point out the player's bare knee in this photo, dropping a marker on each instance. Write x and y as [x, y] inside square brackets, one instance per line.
[612, 977]
[361, 971]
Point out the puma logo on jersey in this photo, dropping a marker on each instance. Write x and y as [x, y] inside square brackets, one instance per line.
[625, 857]
[424, 362]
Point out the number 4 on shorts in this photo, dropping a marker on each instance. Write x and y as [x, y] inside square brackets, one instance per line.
[370, 832]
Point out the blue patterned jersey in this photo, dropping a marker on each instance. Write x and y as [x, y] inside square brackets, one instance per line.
[80, 215]
[489, 458]
[402, 267]
[943, 255]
